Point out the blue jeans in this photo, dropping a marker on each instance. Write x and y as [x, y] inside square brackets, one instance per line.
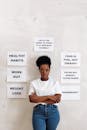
[45, 117]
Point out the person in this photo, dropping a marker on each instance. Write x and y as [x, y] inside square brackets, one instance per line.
[46, 94]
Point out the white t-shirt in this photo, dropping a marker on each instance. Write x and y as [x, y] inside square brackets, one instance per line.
[45, 88]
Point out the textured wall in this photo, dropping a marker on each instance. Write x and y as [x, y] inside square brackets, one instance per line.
[20, 22]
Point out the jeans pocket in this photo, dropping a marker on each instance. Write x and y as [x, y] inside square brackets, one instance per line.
[37, 109]
[54, 109]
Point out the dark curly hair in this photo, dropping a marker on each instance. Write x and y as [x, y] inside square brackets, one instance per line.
[43, 60]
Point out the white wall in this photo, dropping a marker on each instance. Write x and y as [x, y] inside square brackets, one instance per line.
[20, 22]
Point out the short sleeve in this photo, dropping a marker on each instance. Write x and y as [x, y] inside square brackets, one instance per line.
[58, 88]
[31, 89]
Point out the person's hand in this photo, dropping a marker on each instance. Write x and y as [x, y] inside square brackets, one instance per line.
[53, 98]
[56, 98]
[34, 95]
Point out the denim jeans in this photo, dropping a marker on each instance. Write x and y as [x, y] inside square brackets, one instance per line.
[45, 117]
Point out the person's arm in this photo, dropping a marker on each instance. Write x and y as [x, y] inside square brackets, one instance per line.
[36, 99]
[46, 99]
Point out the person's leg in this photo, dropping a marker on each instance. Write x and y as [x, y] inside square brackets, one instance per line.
[38, 120]
[53, 120]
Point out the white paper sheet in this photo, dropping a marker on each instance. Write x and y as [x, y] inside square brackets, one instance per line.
[44, 44]
[70, 92]
[70, 59]
[16, 91]
[70, 75]
[18, 58]
[16, 74]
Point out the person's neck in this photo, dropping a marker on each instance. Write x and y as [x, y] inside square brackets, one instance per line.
[44, 79]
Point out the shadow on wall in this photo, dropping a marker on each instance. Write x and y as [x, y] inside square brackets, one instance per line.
[33, 72]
